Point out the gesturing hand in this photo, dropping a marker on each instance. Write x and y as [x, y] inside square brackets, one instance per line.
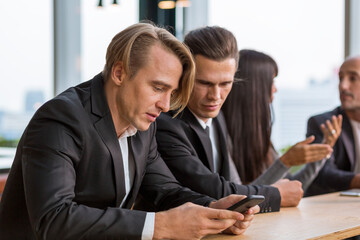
[304, 152]
[332, 130]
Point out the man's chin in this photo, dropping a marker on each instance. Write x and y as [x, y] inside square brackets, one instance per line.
[212, 114]
[143, 127]
[349, 107]
[346, 105]
[204, 115]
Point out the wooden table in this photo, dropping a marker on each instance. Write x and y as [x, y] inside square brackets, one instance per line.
[328, 216]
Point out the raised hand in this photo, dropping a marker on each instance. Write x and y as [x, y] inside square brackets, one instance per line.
[304, 152]
[332, 130]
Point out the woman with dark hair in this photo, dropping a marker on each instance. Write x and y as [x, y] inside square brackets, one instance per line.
[248, 116]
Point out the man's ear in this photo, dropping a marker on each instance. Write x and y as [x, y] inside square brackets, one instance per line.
[118, 73]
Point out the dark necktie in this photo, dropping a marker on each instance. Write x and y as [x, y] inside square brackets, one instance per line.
[210, 150]
[207, 130]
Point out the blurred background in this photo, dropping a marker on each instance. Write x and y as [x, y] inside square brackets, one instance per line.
[47, 46]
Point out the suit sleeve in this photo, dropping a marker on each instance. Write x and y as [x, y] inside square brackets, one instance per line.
[181, 158]
[308, 173]
[330, 177]
[276, 171]
[160, 187]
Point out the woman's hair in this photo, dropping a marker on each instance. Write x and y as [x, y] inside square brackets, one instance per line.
[248, 116]
[132, 46]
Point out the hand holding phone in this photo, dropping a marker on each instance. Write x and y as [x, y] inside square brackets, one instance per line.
[244, 205]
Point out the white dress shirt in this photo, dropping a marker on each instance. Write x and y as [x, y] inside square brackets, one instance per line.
[129, 174]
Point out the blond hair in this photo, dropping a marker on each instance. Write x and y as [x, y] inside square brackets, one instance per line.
[131, 47]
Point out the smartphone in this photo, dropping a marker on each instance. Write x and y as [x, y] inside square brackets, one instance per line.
[351, 193]
[243, 205]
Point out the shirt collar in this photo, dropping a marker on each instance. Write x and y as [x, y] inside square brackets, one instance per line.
[202, 123]
[130, 131]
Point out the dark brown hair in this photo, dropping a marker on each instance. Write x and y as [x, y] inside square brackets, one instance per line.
[214, 42]
[248, 116]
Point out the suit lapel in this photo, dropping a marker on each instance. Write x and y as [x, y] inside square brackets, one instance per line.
[200, 132]
[104, 125]
[348, 140]
[224, 158]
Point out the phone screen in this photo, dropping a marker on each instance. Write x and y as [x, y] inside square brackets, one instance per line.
[243, 205]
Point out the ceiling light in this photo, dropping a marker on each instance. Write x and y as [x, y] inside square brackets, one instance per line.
[167, 4]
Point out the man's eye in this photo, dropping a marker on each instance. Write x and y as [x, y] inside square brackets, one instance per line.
[157, 89]
[204, 83]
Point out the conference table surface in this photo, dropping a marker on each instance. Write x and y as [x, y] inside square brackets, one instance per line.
[328, 216]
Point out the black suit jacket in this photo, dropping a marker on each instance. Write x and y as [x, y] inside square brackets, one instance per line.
[337, 173]
[186, 149]
[67, 179]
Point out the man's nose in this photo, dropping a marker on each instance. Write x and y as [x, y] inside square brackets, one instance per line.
[214, 92]
[344, 84]
[164, 103]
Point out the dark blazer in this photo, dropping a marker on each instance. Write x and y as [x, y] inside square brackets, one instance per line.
[186, 149]
[337, 173]
[67, 179]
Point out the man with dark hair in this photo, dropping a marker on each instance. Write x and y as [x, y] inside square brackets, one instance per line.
[87, 153]
[342, 170]
[194, 143]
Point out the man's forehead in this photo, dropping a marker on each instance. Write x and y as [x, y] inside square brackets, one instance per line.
[351, 65]
[204, 64]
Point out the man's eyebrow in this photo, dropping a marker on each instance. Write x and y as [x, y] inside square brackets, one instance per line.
[202, 80]
[205, 81]
[352, 72]
[159, 82]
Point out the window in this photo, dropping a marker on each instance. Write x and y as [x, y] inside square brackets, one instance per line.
[26, 66]
[26, 59]
[99, 26]
[306, 42]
